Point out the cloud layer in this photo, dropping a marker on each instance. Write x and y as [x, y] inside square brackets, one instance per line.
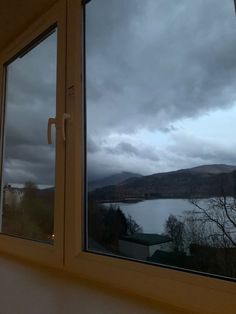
[161, 77]
[151, 64]
[30, 101]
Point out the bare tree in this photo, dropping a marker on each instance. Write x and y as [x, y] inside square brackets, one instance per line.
[175, 228]
[194, 230]
[218, 216]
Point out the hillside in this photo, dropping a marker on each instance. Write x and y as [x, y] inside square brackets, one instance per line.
[211, 169]
[112, 180]
[199, 182]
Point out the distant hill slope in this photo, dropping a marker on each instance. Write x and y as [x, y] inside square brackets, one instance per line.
[213, 169]
[202, 181]
[112, 180]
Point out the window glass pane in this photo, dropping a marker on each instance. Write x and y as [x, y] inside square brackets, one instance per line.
[28, 160]
[161, 146]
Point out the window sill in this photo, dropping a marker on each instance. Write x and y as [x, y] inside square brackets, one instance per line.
[46, 286]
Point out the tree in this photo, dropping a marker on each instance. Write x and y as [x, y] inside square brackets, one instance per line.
[105, 224]
[218, 216]
[30, 190]
[132, 226]
[115, 225]
[214, 248]
[34, 215]
[175, 228]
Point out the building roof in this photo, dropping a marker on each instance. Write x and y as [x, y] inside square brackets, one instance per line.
[146, 238]
[170, 258]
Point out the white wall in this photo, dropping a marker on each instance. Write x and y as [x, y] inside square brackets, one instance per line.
[140, 251]
[166, 247]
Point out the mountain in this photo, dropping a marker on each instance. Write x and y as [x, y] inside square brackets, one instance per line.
[213, 169]
[115, 179]
[198, 182]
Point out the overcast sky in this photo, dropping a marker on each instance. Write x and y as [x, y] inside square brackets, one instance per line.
[30, 101]
[161, 77]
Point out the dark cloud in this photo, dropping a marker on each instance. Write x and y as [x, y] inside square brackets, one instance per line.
[150, 63]
[30, 101]
[169, 128]
[92, 146]
[32, 78]
[130, 150]
[20, 171]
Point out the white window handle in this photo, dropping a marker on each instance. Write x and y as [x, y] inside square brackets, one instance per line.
[51, 121]
[65, 117]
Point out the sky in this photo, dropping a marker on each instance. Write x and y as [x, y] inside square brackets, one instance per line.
[161, 77]
[30, 101]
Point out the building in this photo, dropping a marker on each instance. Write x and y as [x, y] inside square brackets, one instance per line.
[12, 196]
[144, 245]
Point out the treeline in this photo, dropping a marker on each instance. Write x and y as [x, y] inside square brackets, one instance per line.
[107, 224]
[204, 238]
[32, 217]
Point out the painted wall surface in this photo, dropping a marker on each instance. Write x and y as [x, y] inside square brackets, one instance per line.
[165, 247]
[140, 251]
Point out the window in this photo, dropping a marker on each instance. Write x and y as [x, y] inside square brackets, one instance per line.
[161, 105]
[123, 84]
[28, 161]
[32, 150]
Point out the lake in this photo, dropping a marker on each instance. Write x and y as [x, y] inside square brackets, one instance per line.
[151, 215]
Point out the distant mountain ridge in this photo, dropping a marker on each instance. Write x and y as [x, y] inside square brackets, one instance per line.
[213, 169]
[112, 180]
[199, 182]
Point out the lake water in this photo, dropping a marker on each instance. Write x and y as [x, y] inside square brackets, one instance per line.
[151, 215]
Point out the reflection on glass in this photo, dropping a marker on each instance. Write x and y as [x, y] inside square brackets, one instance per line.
[28, 160]
[161, 146]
